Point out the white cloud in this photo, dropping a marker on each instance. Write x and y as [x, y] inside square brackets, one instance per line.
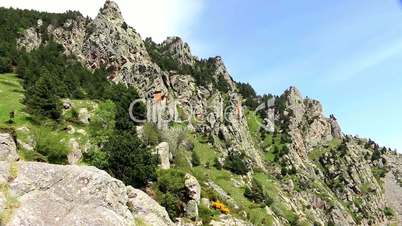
[155, 18]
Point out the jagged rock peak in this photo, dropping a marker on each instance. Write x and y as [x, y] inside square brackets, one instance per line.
[292, 91]
[111, 11]
[179, 49]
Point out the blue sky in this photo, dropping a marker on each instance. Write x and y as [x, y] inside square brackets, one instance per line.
[347, 54]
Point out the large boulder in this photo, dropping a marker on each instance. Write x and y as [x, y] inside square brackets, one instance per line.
[146, 209]
[64, 195]
[8, 148]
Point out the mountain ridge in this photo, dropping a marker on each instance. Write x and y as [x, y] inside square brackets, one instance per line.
[321, 176]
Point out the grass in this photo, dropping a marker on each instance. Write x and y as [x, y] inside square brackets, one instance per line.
[254, 123]
[11, 96]
[139, 222]
[315, 154]
[206, 153]
[257, 214]
[11, 203]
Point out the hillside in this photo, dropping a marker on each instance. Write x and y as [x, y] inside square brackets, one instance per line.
[203, 149]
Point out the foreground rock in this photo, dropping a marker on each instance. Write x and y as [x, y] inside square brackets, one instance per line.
[147, 209]
[46, 194]
[8, 149]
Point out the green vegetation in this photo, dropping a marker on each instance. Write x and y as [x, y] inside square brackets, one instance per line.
[14, 21]
[204, 151]
[129, 160]
[151, 135]
[256, 194]
[235, 163]
[195, 159]
[11, 96]
[171, 191]
[50, 145]
[249, 94]
[103, 122]
[206, 214]
[389, 212]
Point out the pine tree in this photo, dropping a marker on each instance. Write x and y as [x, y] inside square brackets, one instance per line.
[41, 99]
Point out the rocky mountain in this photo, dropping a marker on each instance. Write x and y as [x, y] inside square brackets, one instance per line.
[281, 163]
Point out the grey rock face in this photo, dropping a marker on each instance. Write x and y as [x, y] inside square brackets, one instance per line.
[147, 209]
[75, 154]
[193, 187]
[307, 126]
[66, 195]
[8, 149]
[194, 192]
[164, 155]
[30, 40]
[84, 116]
[47, 194]
[179, 50]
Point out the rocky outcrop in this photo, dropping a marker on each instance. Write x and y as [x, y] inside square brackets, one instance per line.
[164, 155]
[65, 195]
[194, 193]
[48, 194]
[75, 154]
[178, 50]
[30, 40]
[8, 149]
[303, 119]
[84, 116]
[393, 184]
[349, 174]
[146, 209]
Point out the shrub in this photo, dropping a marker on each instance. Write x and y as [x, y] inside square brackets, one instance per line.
[195, 159]
[102, 123]
[206, 214]
[50, 145]
[389, 212]
[217, 164]
[151, 134]
[172, 191]
[256, 193]
[129, 160]
[96, 157]
[218, 205]
[236, 164]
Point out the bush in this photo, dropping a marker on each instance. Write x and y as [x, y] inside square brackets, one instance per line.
[96, 157]
[151, 134]
[236, 164]
[195, 159]
[129, 160]
[50, 145]
[102, 123]
[256, 193]
[217, 164]
[172, 191]
[206, 214]
[389, 212]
